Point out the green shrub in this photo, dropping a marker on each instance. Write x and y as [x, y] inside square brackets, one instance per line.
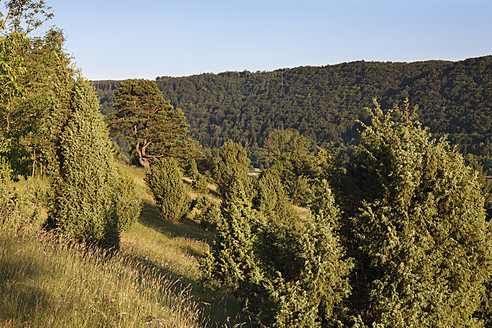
[287, 277]
[165, 182]
[422, 241]
[208, 212]
[82, 203]
[232, 168]
[128, 205]
[271, 199]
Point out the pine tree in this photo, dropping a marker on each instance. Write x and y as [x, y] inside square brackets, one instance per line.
[83, 194]
[423, 243]
[154, 128]
[165, 182]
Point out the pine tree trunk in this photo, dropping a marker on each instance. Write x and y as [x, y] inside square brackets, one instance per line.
[142, 159]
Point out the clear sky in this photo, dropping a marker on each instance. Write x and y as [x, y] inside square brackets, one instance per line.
[119, 39]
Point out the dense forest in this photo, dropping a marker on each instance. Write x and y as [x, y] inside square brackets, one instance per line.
[324, 103]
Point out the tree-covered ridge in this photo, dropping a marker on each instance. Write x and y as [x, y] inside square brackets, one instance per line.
[324, 103]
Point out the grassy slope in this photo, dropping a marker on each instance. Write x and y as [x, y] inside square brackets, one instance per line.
[152, 281]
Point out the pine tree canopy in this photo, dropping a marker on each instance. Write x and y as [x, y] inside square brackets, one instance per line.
[152, 125]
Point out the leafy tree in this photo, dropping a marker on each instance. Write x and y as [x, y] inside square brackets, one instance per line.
[35, 101]
[25, 16]
[422, 242]
[165, 182]
[152, 126]
[83, 194]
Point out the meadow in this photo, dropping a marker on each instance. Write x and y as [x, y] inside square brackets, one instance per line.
[153, 281]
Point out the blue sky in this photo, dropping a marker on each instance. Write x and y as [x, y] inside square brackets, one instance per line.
[119, 39]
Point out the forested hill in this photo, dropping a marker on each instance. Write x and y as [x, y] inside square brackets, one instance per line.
[323, 103]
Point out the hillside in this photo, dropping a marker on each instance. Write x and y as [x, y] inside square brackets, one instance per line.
[46, 281]
[324, 103]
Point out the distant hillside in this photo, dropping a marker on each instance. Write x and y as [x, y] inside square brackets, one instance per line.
[323, 103]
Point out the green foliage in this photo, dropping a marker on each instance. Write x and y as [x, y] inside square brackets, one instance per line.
[35, 101]
[199, 182]
[297, 160]
[422, 242]
[83, 195]
[307, 275]
[231, 262]
[128, 205]
[271, 199]
[165, 182]
[325, 103]
[231, 173]
[287, 276]
[208, 212]
[4, 164]
[151, 125]
[25, 16]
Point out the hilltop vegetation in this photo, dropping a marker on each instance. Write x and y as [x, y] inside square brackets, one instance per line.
[394, 235]
[324, 103]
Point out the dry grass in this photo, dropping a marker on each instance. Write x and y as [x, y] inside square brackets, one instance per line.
[49, 282]
[151, 282]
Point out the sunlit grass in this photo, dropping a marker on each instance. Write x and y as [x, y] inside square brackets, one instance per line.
[153, 281]
[48, 282]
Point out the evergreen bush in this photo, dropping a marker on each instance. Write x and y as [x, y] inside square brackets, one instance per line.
[231, 168]
[271, 199]
[287, 277]
[128, 205]
[422, 241]
[209, 214]
[82, 204]
[165, 182]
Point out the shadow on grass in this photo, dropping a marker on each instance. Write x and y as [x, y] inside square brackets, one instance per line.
[152, 218]
[20, 299]
[217, 309]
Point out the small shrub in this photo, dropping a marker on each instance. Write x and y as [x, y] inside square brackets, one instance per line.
[209, 214]
[165, 182]
[128, 205]
[200, 183]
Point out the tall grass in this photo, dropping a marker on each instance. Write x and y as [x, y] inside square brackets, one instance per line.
[46, 281]
[49, 282]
